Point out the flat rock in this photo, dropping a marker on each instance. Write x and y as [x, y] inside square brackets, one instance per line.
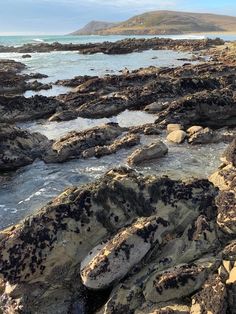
[147, 153]
[74, 144]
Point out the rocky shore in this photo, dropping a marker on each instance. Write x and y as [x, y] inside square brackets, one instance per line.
[12, 81]
[119, 47]
[126, 243]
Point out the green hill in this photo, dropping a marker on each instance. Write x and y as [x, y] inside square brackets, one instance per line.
[171, 22]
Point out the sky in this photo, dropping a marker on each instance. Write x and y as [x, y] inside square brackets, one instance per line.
[65, 16]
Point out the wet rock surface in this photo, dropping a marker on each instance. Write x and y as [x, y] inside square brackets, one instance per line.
[12, 81]
[146, 153]
[19, 108]
[19, 148]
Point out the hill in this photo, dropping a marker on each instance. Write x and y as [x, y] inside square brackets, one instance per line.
[168, 22]
[93, 28]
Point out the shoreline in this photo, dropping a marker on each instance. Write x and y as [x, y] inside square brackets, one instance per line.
[126, 242]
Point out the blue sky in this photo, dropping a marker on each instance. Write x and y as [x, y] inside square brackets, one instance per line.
[64, 16]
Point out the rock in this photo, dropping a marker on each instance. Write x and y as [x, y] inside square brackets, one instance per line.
[214, 109]
[40, 257]
[74, 144]
[174, 127]
[204, 136]
[151, 130]
[230, 153]
[147, 153]
[26, 56]
[194, 129]
[225, 179]
[157, 106]
[126, 141]
[177, 283]
[122, 252]
[19, 108]
[20, 148]
[226, 204]
[124, 46]
[177, 136]
[65, 115]
[171, 308]
[211, 299]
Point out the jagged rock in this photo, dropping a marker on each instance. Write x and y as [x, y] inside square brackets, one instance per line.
[75, 143]
[211, 109]
[157, 106]
[225, 179]
[174, 127]
[19, 108]
[40, 257]
[19, 148]
[226, 204]
[65, 115]
[194, 129]
[104, 107]
[147, 153]
[170, 308]
[203, 136]
[177, 282]
[211, 298]
[230, 153]
[177, 136]
[126, 141]
[124, 46]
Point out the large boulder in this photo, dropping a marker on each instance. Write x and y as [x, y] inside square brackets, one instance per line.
[148, 153]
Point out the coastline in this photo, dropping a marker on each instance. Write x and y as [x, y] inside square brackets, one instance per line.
[128, 240]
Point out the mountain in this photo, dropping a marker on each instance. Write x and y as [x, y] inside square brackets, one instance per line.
[166, 22]
[93, 28]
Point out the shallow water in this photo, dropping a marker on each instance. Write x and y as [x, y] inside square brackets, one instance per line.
[54, 130]
[65, 65]
[33, 186]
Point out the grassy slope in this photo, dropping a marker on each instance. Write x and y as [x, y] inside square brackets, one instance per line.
[169, 22]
